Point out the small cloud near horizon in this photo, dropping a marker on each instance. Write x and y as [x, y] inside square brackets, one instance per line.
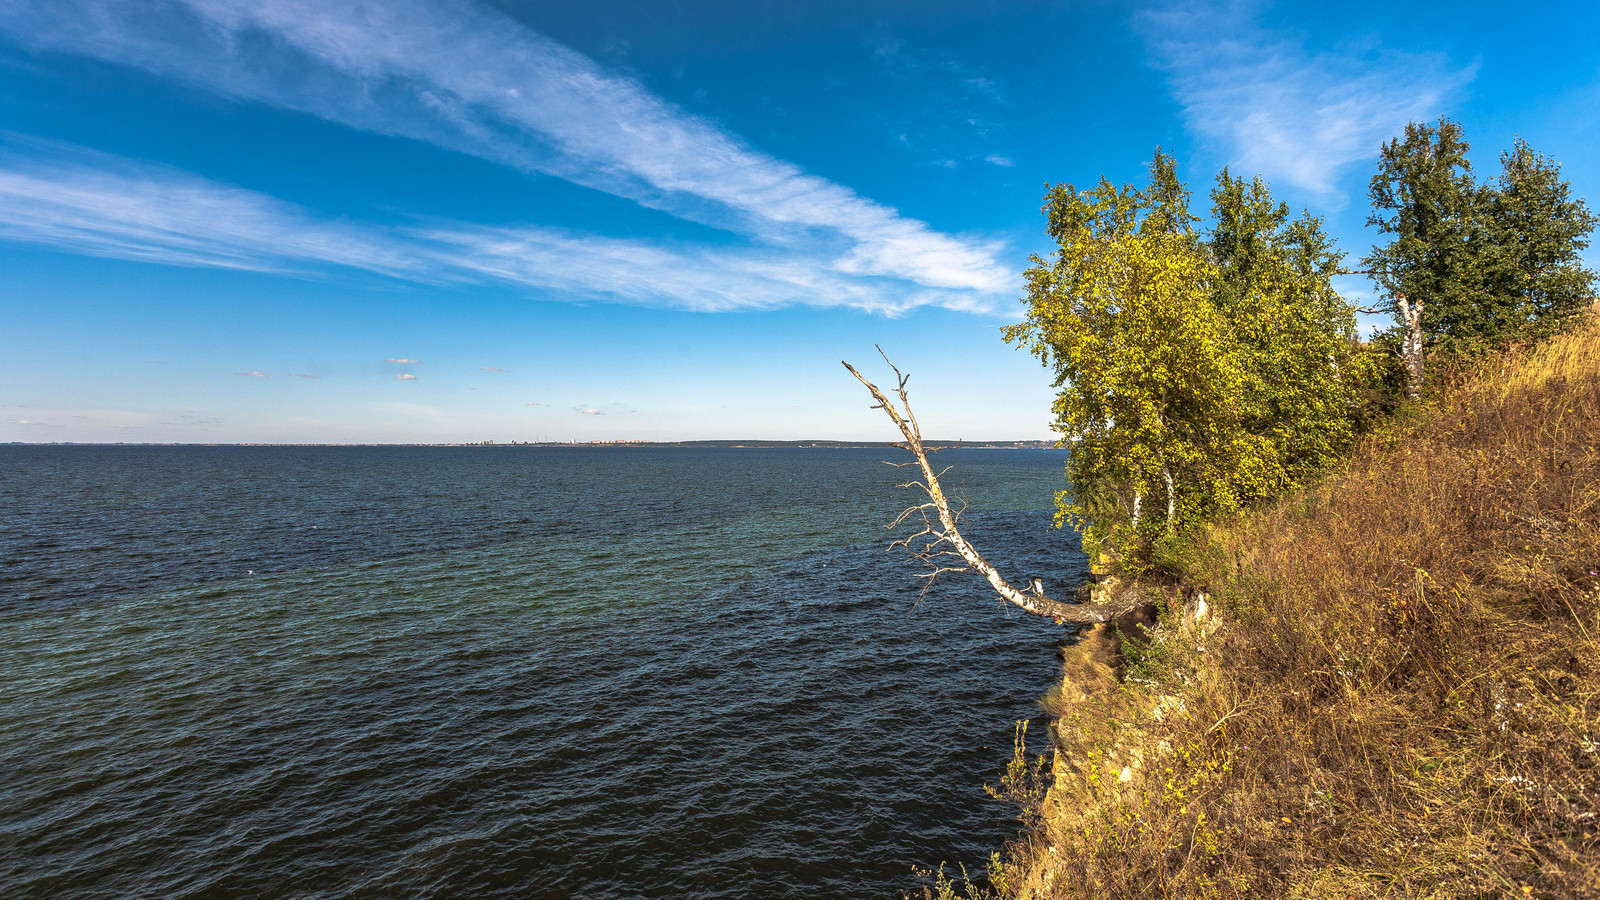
[253, 374]
[405, 362]
[531, 403]
[494, 369]
[591, 411]
[405, 376]
[303, 375]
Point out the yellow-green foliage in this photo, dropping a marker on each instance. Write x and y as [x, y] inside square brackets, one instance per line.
[1196, 375]
[1403, 696]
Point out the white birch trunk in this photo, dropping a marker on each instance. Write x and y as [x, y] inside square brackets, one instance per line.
[1172, 497]
[1411, 342]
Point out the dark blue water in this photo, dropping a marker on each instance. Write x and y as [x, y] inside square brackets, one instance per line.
[417, 672]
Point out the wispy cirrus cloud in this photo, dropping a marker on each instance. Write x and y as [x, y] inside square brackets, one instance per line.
[89, 202]
[1267, 103]
[472, 79]
[701, 278]
[404, 376]
[405, 362]
[253, 374]
[494, 369]
[64, 196]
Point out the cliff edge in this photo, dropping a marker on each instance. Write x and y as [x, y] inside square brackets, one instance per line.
[1387, 685]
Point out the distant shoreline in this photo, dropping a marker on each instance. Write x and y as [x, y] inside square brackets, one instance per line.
[620, 445]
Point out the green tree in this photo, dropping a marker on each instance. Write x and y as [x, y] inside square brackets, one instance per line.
[1433, 270]
[1538, 231]
[1123, 315]
[1202, 373]
[1472, 265]
[1295, 334]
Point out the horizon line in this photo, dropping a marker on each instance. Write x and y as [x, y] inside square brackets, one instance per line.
[730, 443]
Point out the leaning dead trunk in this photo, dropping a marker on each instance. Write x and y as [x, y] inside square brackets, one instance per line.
[940, 543]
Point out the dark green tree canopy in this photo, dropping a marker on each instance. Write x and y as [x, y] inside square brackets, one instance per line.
[1424, 196]
[1538, 231]
[1486, 263]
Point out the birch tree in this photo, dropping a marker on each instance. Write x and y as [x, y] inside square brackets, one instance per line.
[1294, 336]
[1148, 381]
[1431, 270]
[1470, 265]
[1205, 370]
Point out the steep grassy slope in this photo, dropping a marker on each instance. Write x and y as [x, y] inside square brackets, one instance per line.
[1395, 691]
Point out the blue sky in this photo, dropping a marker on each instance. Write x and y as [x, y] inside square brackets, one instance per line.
[419, 220]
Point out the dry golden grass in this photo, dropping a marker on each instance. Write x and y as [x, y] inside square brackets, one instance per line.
[1403, 698]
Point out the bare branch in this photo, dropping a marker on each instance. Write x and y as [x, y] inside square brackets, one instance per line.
[940, 571]
[945, 533]
[1369, 310]
[908, 513]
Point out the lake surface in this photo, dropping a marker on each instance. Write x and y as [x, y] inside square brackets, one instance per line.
[510, 672]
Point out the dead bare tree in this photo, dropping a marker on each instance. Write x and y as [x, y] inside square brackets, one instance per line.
[940, 544]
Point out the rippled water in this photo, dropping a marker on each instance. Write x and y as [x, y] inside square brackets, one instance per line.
[418, 672]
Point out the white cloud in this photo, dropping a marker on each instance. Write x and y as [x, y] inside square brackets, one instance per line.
[86, 202]
[405, 362]
[302, 375]
[1266, 103]
[472, 79]
[103, 205]
[706, 279]
[494, 369]
[999, 160]
[405, 376]
[253, 374]
[591, 411]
